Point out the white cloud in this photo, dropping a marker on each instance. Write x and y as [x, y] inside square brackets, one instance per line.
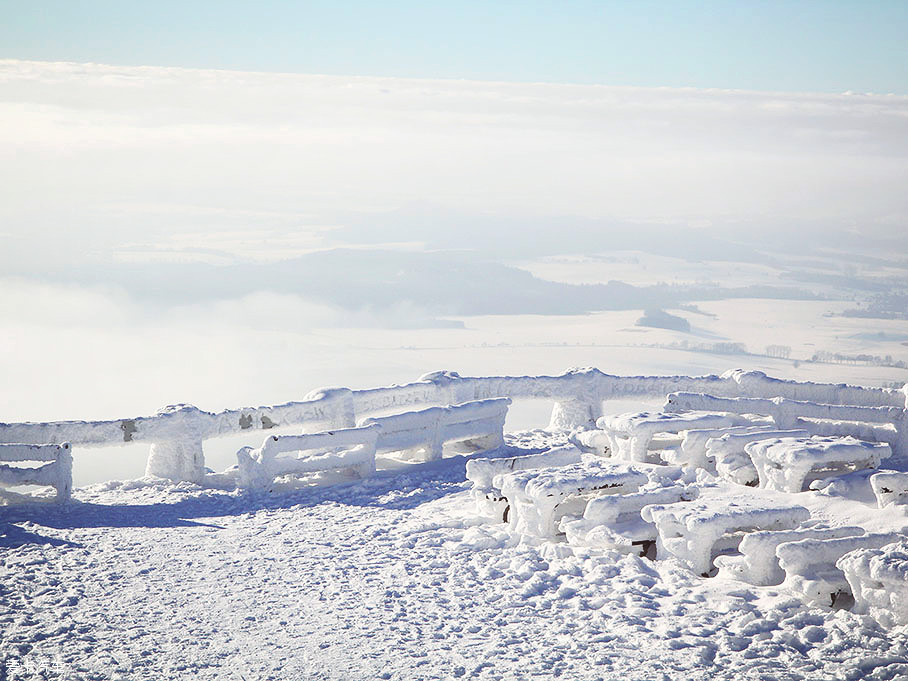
[85, 147]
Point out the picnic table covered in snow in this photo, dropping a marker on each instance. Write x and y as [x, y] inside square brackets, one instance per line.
[784, 463]
[695, 531]
[614, 521]
[812, 568]
[878, 578]
[534, 495]
[482, 473]
[630, 434]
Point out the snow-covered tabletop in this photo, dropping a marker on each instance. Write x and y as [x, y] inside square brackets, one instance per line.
[691, 531]
[757, 562]
[490, 502]
[694, 453]
[784, 463]
[614, 521]
[630, 434]
[731, 461]
[533, 495]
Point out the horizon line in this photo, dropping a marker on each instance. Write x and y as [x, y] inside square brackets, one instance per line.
[542, 83]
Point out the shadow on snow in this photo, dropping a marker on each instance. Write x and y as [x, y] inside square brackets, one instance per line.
[399, 489]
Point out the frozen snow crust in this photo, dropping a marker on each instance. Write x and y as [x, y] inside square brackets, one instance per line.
[452, 550]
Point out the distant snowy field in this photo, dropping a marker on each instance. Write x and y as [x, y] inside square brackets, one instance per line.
[390, 578]
[279, 357]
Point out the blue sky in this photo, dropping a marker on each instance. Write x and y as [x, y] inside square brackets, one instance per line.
[822, 46]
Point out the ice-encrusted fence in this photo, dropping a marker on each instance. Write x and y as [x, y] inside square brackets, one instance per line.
[177, 433]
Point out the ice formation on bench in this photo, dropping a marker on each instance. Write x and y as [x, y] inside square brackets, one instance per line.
[784, 463]
[693, 452]
[878, 578]
[593, 442]
[614, 521]
[479, 422]
[696, 532]
[887, 424]
[537, 499]
[732, 462]
[58, 473]
[489, 500]
[630, 434]
[890, 487]
[345, 449]
[810, 564]
[757, 563]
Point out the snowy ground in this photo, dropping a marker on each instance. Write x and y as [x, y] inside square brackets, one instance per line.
[391, 578]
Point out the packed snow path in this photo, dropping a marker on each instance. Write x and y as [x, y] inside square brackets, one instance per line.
[390, 578]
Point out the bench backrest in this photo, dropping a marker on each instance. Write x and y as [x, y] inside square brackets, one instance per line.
[57, 473]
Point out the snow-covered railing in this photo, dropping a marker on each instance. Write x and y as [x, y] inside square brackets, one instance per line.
[58, 473]
[177, 433]
[580, 393]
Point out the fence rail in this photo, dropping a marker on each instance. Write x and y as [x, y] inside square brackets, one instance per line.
[177, 433]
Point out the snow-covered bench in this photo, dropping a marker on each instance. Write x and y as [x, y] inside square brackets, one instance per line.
[810, 564]
[350, 450]
[479, 423]
[614, 521]
[538, 499]
[887, 424]
[890, 487]
[58, 473]
[490, 502]
[732, 462]
[630, 434]
[879, 582]
[784, 463]
[353, 450]
[698, 531]
[757, 563]
[693, 452]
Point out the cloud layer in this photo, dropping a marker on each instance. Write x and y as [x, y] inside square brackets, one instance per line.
[100, 160]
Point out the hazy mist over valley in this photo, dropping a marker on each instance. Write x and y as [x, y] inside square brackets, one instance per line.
[339, 230]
